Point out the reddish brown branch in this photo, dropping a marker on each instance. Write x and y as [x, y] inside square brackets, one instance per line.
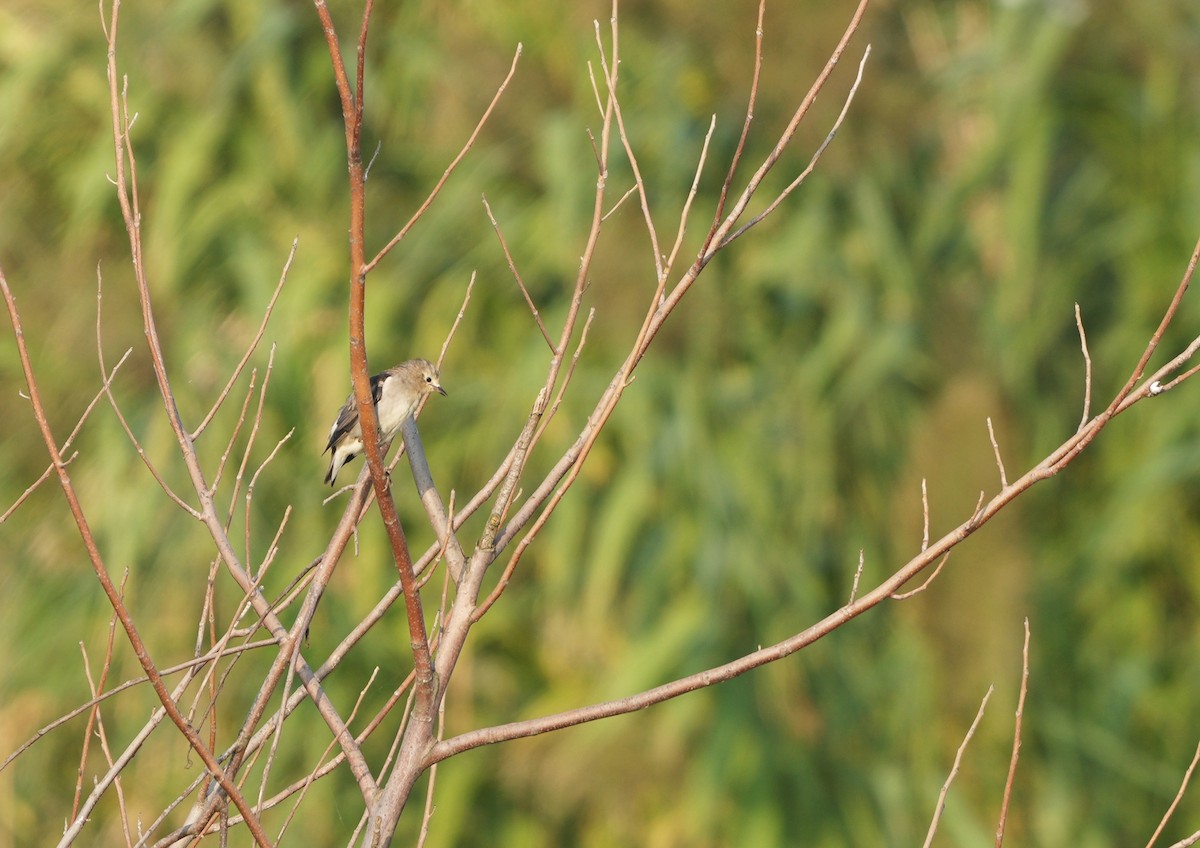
[110, 590]
[125, 181]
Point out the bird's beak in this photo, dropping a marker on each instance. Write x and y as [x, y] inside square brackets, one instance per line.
[437, 388]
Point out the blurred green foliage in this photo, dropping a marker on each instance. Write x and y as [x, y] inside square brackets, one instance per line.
[1002, 162]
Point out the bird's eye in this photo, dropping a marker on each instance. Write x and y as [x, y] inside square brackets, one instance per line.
[428, 379]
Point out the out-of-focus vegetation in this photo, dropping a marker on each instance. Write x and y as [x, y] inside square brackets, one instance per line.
[1002, 161]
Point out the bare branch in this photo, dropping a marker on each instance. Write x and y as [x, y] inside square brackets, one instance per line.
[1087, 369]
[719, 235]
[1183, 785]
[691, 196]
[97, 562]
[620, 201]
[857, 575]
[512, 267]
[94, 718]
[462, 310]
[101, 733]
[233, 435]
[1016, 750]
[904, 596]
[45, 475]
[430, 499]
[812, 163]
[996, 451]
[941, 802]
[1119, 401]
[924, 515]
[107, 390]
[262, 327]
[427, 815]
[736, 159]
[370, 266]
[610, 79]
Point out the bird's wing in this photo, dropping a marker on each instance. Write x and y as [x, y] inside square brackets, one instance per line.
[377, 386]
[347, 418]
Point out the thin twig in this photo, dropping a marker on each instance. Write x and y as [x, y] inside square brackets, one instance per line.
[262, 328]
[1187, 777]
[95, 688]
[628, 193]
[904, 596]
[924, 515]
[462, 310]
[236, 431]
[101, 733]
[1087, 369]
[996, 451]
[371, 164]
[812, 163]
[1167, 318]
[691, 196]
[719, 234]
[1016, 749]
[736, 159]
[112, 400]
[45, 475]
[941, 802]
[562, 388]
[449, 169]
[1166, 387]
[512, 267]
[101, 571]
[857, 575]
[502, 514]
[430, 807]
[250, 488]
[610, 77]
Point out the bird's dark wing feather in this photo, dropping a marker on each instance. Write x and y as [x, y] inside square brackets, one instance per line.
[348, 415]
[377, 387]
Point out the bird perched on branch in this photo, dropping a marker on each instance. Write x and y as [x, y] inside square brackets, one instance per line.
[396, 393]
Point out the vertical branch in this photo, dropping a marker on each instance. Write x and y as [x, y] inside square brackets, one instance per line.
[520, 453]
[125, 181]
[352, 106]
[426, 686]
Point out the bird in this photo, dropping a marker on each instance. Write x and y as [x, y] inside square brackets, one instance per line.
[395, 393]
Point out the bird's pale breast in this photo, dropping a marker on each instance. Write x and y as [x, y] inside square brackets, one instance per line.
[395, 404]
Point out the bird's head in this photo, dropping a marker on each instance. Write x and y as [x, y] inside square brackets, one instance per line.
[426, 376]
